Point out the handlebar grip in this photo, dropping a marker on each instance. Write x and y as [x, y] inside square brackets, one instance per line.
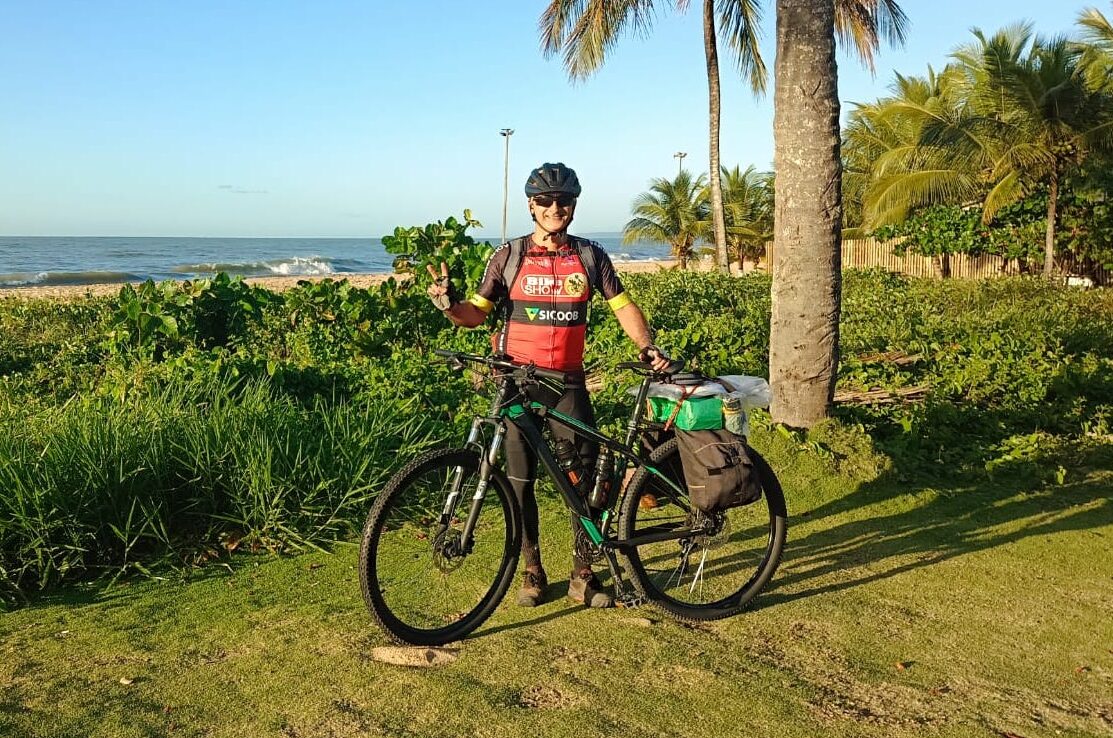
[674, 366]
[444, 353]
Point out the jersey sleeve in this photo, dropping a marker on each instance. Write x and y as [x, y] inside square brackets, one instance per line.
[609, 284]
[492, 288]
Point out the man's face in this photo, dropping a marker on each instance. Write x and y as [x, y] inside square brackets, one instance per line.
[553, 211]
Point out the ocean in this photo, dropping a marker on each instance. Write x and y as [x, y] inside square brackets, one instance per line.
[44, 260]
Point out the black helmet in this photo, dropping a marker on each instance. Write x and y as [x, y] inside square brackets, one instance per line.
[555, 178]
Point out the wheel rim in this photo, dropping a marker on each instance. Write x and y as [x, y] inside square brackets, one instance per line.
[419, 577]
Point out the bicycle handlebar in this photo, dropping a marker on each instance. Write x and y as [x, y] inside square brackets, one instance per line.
[520, 371]
[643, 367]
[532, 372]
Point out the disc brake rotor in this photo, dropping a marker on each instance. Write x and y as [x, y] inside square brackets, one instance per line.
[447, 556]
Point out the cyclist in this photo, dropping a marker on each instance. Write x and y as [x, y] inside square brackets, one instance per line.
[542, 285]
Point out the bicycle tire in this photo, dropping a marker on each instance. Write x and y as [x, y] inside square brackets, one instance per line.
[417, 596]
[744, 555]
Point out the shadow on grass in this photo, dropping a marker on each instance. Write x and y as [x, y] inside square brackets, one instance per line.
[554, 593]
[959, 515]
[121, 592]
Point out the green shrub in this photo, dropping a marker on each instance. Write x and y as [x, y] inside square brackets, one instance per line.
[146, 428]
[103, 484]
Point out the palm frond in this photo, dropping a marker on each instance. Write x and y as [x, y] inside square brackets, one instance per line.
[1006, 191]
[864, 23]
[902, 192]
[1096, 28]
[587, 30]
[556, 23]
[740, 25]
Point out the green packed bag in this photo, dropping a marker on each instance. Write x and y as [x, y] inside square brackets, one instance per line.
[698, 413]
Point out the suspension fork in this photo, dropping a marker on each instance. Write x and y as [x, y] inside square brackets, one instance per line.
[487, 459]
[486, 463]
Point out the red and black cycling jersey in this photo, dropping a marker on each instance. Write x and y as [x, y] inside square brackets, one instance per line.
[546, 306]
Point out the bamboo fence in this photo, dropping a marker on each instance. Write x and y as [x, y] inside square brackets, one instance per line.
[871, 253]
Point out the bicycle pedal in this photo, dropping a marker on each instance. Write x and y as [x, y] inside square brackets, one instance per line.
[629, 601]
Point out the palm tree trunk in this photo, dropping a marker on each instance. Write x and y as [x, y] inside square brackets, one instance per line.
[1049, 240]
[807, 279]
[717, 219]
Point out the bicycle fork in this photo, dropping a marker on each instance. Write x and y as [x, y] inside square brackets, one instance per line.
[486, 462]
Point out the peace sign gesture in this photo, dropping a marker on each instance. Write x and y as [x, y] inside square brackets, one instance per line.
[441, 291]
[443, 276]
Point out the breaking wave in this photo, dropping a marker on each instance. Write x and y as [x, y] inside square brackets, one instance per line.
[294, 266]
[47, 279]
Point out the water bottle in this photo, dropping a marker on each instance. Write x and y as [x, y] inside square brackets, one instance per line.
[600, 496]
[569, 461]
[734, 417]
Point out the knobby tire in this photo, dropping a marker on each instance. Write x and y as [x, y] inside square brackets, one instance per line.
[720, 575]
[417, 598]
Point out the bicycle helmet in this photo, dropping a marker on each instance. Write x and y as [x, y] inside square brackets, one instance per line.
[552, 178]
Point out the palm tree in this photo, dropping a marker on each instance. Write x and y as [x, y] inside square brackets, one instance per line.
[587, 30]
[807, 284]
[1097, 48]
[673, 212]
[807, 252]
[748, 207]
[1012, 113]
[899, 151]
[1049, 120]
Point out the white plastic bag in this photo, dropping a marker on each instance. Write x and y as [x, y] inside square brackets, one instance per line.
[754, 391]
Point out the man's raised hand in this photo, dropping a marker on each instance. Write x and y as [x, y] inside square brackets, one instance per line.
[441, 291]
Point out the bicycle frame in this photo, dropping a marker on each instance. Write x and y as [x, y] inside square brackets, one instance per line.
[511, 406]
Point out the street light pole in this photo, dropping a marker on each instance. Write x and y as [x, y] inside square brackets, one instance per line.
[506, 133]
[679, 156]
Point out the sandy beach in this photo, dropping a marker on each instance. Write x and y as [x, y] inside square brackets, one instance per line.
[272, 283]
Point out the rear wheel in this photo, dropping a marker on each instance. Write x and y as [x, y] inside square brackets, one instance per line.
[716, 572]
[423, 585]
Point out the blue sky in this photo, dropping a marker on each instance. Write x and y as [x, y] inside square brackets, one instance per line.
[339, 118]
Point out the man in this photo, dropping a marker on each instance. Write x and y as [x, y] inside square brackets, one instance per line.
[542, 285]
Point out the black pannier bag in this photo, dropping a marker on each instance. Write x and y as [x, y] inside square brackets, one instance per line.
[718, 469]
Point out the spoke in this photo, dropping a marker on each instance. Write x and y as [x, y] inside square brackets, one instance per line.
[698, 576]
[678, 571]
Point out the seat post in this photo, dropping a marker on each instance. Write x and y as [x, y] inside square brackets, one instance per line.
[639, 411]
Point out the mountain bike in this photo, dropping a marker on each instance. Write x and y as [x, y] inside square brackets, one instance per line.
[441, 544]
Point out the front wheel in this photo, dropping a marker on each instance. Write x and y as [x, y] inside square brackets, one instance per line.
[423, 583]
[716, 573]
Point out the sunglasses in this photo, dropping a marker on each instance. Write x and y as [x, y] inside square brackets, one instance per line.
[563, 201]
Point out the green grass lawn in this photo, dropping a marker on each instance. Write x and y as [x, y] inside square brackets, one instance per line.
[971, 607]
